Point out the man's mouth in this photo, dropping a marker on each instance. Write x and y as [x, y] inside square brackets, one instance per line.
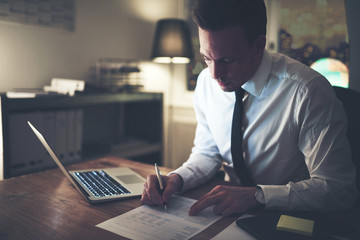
[223, 83]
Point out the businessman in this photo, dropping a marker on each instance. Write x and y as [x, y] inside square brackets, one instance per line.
[294, 151]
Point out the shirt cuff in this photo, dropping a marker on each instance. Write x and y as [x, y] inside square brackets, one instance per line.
[188, 177]
[259, 195]
[275, 196]
[197, 170]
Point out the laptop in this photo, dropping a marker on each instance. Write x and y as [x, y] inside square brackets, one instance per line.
[99, 185]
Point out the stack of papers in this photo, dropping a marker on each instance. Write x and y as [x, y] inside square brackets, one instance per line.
[26, 93]
[154, 223]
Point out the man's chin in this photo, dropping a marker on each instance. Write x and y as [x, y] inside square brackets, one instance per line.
[227, 88]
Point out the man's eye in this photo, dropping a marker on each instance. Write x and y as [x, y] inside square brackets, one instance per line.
[228, 60]
[207, 60]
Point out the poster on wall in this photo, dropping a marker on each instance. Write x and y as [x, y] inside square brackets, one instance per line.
[315, 33]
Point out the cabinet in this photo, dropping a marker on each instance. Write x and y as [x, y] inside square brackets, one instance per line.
[128, 125]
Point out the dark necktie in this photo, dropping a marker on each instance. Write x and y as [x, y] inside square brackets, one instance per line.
[236, 142]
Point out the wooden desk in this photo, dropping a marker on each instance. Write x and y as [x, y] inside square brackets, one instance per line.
[44, 205]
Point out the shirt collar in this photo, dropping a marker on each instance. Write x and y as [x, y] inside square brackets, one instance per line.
[256, 83]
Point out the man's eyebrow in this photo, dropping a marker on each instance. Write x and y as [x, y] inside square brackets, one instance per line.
[222, 58]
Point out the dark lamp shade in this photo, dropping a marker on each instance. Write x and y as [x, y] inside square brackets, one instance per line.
[172, 42]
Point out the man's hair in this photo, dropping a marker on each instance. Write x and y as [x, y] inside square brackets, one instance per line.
[213, 15]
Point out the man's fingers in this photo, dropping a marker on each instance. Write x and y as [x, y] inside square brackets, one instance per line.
[206, 200]
[227, 200]
[145, 200]
[213, 191]
[168, 192]
[149, 199]
[204, 203]
[151, 195]
[221, 206]
[173, 184]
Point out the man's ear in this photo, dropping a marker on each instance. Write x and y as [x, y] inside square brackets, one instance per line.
[259, 44]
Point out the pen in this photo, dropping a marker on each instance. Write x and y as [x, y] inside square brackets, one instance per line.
[158, 174]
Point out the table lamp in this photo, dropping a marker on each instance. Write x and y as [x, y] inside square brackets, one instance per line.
[172, 44]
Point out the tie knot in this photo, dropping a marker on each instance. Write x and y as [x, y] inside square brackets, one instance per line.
[239, 94]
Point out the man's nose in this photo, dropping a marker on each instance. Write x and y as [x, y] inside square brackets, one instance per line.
[217, 70]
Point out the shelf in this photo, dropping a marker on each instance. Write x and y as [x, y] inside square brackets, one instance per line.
[129, 125]
[80, 100]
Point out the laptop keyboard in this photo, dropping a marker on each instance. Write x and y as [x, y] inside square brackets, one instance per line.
[100, 184]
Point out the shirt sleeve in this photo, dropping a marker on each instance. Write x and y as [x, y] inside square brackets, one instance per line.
[323, 142]
[205, 159]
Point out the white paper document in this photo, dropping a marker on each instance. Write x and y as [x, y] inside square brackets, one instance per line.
[234, 232]
[154, 223]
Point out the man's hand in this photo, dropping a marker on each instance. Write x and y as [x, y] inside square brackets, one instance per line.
[228, 200]
[151, 194]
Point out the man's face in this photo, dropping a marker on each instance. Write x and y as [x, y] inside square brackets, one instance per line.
[228, 55]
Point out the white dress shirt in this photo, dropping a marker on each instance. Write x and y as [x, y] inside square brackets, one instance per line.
[294, 137]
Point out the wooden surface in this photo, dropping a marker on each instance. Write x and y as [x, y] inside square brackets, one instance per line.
[44, 205]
